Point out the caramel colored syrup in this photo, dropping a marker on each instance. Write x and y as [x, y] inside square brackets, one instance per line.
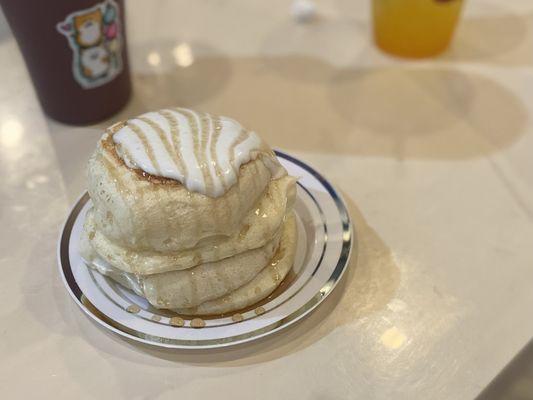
[259, 310]
[177, 321]
[283, 286]
[197, 323]
[237, 317]
[133, 309]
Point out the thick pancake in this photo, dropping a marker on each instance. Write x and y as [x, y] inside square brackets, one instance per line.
[187, 210]
[259, 226]
[258, 288]
[191, 287]
[211, 281]
[138, 212]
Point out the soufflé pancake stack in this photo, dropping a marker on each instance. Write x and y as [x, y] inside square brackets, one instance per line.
[191, 211]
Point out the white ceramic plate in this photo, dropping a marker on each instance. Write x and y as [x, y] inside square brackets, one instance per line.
[325, 240]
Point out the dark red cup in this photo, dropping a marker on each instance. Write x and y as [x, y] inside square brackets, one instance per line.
[76, 53]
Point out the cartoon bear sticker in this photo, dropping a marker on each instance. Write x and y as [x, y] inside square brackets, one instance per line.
[93, 34]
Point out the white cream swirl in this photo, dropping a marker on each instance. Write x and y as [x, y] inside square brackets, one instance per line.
[202, 151]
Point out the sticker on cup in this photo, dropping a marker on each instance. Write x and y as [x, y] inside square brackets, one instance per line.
[94, 36]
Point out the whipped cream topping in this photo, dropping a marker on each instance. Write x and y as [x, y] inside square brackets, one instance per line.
[202, 151]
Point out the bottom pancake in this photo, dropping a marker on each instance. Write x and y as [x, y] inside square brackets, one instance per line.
[259, 287]
[229, 284]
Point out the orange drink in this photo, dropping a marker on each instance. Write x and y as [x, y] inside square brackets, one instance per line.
[415, 28]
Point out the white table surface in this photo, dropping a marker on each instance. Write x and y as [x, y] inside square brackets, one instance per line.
[435, 159]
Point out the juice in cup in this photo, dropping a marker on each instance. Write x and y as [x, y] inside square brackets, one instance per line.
[415, 28]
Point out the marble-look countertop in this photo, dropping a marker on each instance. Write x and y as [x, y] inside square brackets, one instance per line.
[434, 158]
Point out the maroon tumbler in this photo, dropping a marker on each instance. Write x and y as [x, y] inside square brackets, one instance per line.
[75, 51]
